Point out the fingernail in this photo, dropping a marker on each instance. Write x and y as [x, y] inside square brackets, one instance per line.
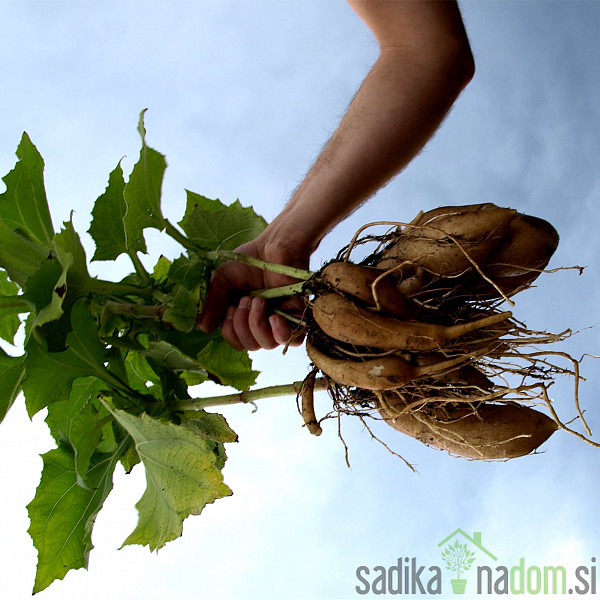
[256, 304]
[230, 312]
[245, 303]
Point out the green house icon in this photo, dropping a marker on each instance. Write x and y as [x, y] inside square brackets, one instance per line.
[459, 558]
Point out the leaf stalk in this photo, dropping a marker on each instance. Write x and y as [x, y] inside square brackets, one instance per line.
[249, 396]
[222, 255]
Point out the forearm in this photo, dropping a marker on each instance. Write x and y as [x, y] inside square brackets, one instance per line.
[398, 108]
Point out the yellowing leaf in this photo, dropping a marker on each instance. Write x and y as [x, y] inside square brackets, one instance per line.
[182, 477]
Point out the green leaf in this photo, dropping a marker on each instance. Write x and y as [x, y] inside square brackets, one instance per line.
[107, 227]
[70, 251]
[62, 513]
[140, 374]
[182, 308]
[10, 306]
[190, 271]
[231, 367]
[50, 375]
[142, 194]
[46, 290]
[12, 373]
[130, 458]
[215, 226]
[74, 422]
[23, 206]
[60, 280]
[161, 269]
[181, 473]
[212, 353]
[19, 256]
[170, 357]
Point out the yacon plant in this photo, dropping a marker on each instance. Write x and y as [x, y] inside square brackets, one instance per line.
[412, 336]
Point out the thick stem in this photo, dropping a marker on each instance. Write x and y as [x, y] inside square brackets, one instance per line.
[215, 255]
[288, 389]
[294, 272]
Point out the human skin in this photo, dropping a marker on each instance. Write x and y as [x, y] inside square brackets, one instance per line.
[424, 63]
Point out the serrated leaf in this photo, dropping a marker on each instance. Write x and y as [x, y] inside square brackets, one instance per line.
[231, 367]
[142, 194]
[181, 475]
[107, 227]
[23, 206]
[215, 226]
[12, 373]
[62, 513]
[50, 375]
[74, 422]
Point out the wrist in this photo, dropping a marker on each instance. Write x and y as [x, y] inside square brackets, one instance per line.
[289, 239]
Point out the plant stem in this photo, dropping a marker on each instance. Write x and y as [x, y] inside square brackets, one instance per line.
[111, 288]
[288, 389]
[178, 236]
[215, 255]
[139, 267]
[289, 317]
[279, 292]
[140, 311]
[294, 272]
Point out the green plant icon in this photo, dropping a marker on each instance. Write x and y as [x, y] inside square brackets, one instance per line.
[458, 558]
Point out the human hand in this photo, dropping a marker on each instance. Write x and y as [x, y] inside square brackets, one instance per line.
[245, 321]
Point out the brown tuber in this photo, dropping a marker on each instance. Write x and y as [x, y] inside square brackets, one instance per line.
[377, 373]
[440, 244]
[361, 282]
[343, 320]
[486, 432]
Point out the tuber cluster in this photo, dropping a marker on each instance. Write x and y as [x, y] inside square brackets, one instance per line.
[414, 332]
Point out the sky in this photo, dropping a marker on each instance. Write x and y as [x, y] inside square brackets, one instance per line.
[241, 96]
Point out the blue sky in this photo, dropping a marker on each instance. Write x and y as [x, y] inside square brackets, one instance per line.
[241, 96]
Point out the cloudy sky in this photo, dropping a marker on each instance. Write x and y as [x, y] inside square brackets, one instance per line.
[241, 96]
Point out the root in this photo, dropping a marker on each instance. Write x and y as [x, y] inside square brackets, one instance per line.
[308, 405]
[513, 365]
[380, 441]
